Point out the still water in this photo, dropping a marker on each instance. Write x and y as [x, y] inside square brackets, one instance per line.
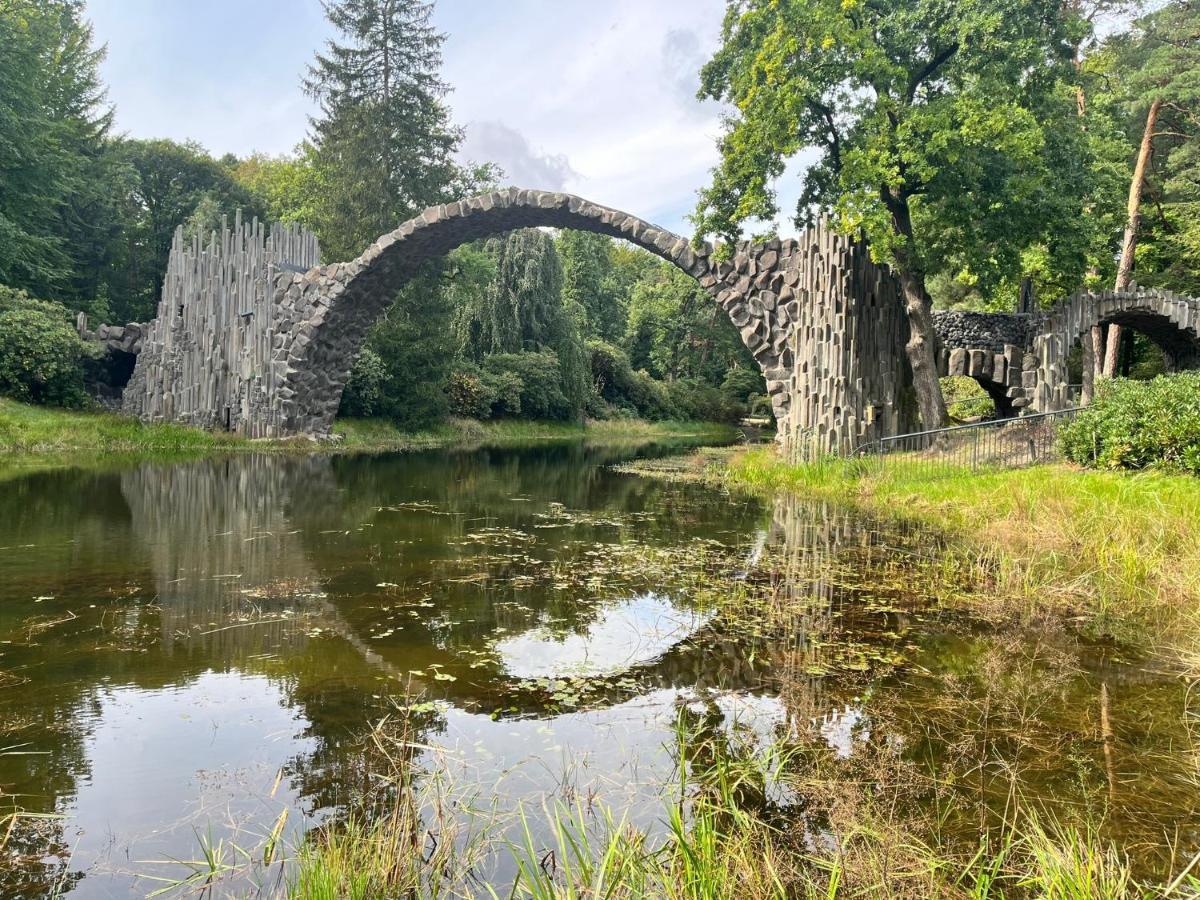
[188, 650]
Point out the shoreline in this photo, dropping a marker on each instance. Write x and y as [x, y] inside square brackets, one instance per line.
[40, 433]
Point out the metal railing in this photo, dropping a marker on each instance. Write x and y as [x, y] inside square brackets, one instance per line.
[1000, 444]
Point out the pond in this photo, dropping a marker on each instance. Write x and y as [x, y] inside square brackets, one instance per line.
[190, 650]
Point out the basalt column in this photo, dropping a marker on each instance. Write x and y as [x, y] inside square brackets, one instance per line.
[843, 378]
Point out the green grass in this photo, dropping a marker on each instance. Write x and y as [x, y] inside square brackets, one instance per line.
[1120, 548]
[380, 434]
[36, 430]
[721, 839]
[40, 429]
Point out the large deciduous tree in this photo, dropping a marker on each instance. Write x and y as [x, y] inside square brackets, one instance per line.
[942, 130]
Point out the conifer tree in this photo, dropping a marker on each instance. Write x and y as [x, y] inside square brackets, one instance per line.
[384, 139]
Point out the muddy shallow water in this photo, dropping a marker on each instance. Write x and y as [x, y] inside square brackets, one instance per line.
[188, 649]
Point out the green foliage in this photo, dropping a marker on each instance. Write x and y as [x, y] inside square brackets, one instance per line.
[289, 187]
[965, 399]
[413, 340]
[521, 309]
[624, 391]
[478, 394]
[594, 279]
[41, 356]
[537, 380]
[363, 395]
[383, 143]
[1139, 424]
[1157, 60]
[172, 184]
[54, 224]
[675, 330]
[946, 132]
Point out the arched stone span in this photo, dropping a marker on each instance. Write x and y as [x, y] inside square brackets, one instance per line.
[1171, 320]
[325, 314]
[823, 323]
[252, 337]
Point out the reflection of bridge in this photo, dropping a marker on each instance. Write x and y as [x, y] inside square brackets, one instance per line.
[253, 336]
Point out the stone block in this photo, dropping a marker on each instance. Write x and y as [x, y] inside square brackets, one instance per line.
[958, 362]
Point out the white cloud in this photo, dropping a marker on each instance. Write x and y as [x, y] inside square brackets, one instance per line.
[508, 148]
[594, 98]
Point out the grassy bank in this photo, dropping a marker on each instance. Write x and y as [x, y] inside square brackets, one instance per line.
[26, 429]
[1120, 550]
[380, 434]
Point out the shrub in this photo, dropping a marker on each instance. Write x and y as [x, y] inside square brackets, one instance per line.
[363, 395]
[477, 394]
[41, 355]
[965, 399]
[467, 395]
[529, 384]
[1139, 424]
[698, 401]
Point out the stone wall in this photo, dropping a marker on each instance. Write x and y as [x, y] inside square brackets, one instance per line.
[991, 331]
[113, 338]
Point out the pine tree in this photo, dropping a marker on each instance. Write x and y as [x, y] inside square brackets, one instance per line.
[55, 221]
[384, 139]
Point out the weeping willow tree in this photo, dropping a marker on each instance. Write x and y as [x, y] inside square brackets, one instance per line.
[523, 310]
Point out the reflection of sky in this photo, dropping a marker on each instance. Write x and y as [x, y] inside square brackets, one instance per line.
[167, 764]
[841, 730]
[628, 633]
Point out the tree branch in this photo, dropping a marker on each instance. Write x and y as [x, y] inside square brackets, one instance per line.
[928, 70]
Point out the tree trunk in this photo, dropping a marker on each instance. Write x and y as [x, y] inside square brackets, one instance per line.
[1133, 215]
[919, 348]
[921, 336]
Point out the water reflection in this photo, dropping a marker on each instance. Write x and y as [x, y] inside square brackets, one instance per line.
[203, 644]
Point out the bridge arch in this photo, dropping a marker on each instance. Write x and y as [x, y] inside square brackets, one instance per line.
[325, 313]
[252, 337]
[1170, 320]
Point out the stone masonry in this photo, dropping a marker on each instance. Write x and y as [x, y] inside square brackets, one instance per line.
[253, 336]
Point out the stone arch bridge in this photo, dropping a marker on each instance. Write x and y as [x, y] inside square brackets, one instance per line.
[255, 336]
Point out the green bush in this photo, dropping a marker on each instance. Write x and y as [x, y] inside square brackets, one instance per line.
[41, 355]
[1139, 424]
[528, 384]
[363, 395]
[478, 394]
[965, 399]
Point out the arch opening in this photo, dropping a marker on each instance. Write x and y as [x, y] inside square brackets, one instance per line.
[327, 312]
[1162, 328]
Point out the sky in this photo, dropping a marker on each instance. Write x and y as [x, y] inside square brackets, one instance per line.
[594, 98]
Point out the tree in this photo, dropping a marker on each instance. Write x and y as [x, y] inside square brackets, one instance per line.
[289, 186]
[588, 281]
[169, 182]
[942, 131]
[55, 228]
[1156, 63]
[384, 142]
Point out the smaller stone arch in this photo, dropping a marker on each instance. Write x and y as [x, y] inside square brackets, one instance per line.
[990, 348]
[1171, 320]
